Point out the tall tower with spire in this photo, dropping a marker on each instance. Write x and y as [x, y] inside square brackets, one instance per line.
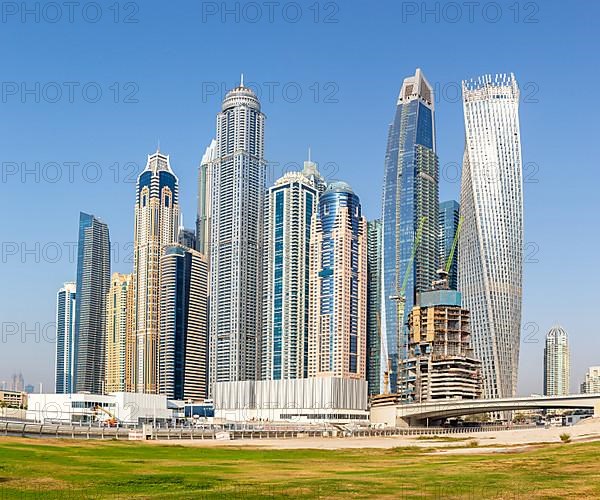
[409, 216]
[237, 192]
[156, 225]
[291, 204]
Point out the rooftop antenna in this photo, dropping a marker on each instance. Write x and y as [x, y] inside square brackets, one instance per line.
[242, 80]
[158, 145]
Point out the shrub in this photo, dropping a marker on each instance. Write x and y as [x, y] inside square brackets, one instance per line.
[565, 438]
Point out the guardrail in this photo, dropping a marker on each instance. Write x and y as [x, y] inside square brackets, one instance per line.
[29, 429]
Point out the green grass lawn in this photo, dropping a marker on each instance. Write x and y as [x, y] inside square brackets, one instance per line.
[31, 468]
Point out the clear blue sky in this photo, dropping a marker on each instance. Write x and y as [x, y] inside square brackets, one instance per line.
[349, 73]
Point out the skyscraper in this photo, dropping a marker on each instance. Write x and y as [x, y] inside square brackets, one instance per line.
[410, 213]
[120, 341]
[204, 197]
[183, 340]
[237, 178]
[156, 225]
[291, 203]
[93, 281]
[187, 238]
[65, 335]
[557, 366]
[449, 220]
[17, 383]
[338, 286]
[490, 261]
[374, 347]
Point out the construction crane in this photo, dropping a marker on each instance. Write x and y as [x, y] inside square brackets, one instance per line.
[400, 300]
[112, 421]
[454, 245]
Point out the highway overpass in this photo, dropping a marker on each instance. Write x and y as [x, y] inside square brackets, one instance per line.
[388, 411]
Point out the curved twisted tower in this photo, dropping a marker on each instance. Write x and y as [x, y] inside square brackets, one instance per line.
[491, 240]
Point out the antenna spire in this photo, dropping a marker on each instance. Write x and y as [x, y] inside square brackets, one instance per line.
[242, 80]
[158, 145]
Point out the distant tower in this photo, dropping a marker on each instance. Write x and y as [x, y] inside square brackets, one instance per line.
[93, 281]
[374, 276]
[449, 220]
[490, 261]
[556, 363]
[183, 340]
[120, 341]
[187, 238]
[237, 196]
[65, 335]
[156, 225]
[410, 213]
[292, 201]
[204, 197]
[338, 286]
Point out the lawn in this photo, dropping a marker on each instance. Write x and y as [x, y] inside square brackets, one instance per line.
[31, 468]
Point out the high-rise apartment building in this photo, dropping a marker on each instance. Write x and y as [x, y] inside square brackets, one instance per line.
[374, 281]
[338, 286]
[65, 336]
[93, 281]
[183, 339]
[291, 203]
[17, 383]
[491, 237]
[204, 198]
[591, 383]
[449, 223]
[557, 368]
[441, 363]
[410, 213]
[237, 197]
[156, 225]
[187, 238]
[120, 341]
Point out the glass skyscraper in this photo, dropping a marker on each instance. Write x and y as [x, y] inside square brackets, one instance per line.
[410, 214]
[156, 225]
[204, 196]
[374, 354]
[449, 221]
[338, 286]
[490, 261]
[237, 197]
[65, 333]
[183, 339]
[93, 282]
[292, 201]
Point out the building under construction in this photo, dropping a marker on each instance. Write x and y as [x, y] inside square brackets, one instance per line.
[440, 363]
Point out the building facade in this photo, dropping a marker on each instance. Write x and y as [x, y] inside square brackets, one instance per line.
[374, 281]
[449, 223]
[120, 341]
[156, 225]
[204, 197]
[291, 204]
[93, 281]
[557, 366]
[187, 238]
[338, 286]
[591, 383]
[441, 362]
[237, 180]
[491, 237]
[410, 213]
[183, 339]
[65, 337]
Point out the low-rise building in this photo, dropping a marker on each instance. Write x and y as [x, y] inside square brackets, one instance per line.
[591, 383]
[13, 399]
[123, 407]
[307, 400]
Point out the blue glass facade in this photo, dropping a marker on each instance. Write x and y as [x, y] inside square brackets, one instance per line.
[339, 195]
[449, 219]
[93, 283]
[278, 286]
[410, 214]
